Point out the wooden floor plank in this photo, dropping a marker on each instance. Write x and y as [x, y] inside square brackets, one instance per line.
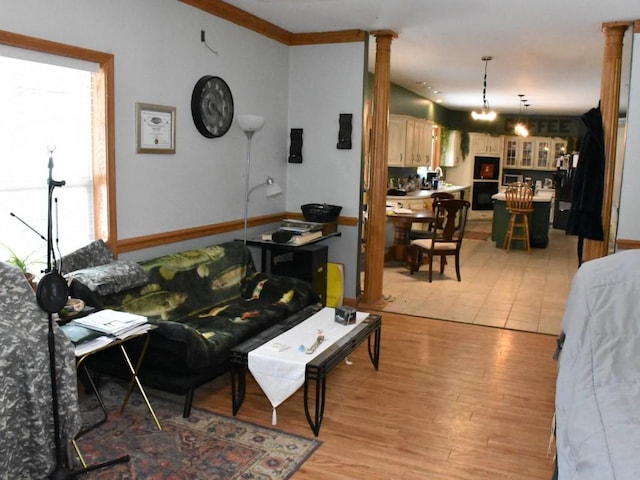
[450, 401]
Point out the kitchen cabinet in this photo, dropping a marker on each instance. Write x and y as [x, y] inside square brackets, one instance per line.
[537, 153]
[397, 141]
[484, 144]
[410, 141]
[452, 155]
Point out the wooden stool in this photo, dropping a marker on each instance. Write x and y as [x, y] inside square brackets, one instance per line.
[519, 197]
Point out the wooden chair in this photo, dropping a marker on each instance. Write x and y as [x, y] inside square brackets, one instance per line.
[435, 197]
[519, 198]
[447, 237]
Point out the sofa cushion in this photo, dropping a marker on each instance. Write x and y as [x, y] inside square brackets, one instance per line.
[91, 255]
[112, 277]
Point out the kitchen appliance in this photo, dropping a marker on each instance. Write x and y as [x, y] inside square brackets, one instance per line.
[509, 178]
[563, 179]
[486, 180]
[486, 168]
[481, 195]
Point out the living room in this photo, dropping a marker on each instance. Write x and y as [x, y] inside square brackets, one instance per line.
[158, 57]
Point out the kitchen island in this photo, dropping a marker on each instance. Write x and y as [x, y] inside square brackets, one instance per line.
[539, 220]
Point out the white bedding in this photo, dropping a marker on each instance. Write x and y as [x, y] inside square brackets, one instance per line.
[598, 384]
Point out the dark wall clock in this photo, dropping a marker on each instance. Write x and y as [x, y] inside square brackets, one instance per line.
[212, 106]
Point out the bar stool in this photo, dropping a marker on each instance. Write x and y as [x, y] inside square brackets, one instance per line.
[519, 197]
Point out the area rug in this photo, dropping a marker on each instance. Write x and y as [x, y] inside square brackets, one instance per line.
[203, 446]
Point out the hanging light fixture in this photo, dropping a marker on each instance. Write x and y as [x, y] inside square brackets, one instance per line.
[521, 129]
[486, 114]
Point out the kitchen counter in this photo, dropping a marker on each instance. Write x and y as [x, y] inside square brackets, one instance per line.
[542, 196]
[424, 194]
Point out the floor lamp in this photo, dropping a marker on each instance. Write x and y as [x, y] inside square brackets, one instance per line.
[251, 124]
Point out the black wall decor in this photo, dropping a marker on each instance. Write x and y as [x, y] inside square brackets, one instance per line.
[344, 134]
[295, 149]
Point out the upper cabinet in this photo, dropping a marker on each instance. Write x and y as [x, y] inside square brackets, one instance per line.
[484, 144]
[410, 141]
[538, 153]
[397, 141]
[452, 155]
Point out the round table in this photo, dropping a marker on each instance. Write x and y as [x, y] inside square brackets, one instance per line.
[402, 230]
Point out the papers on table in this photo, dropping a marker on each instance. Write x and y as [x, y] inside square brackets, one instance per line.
[111, 322]
[95, 331]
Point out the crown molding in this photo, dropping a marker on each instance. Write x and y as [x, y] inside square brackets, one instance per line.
[251, 22]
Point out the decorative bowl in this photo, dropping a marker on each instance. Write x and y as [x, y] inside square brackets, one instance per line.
[73, 307]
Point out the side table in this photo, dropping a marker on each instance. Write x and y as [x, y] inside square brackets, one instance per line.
[82, 354]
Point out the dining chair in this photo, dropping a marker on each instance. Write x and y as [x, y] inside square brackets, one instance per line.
[435, 196]
[519, 199]
[447, 237]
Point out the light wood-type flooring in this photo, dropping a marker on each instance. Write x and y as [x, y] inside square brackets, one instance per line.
[450, 401]
[515, 289]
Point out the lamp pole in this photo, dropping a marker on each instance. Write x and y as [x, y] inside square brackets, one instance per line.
[249, 134]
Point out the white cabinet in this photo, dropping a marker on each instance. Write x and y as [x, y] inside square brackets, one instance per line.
[453, 152]
[537, 153]
[484, 144]
[397, 141]
[410, 141]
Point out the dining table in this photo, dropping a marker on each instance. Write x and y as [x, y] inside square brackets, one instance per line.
[402, 220]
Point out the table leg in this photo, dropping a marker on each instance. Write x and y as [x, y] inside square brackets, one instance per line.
[238, 386]
[401, 240]
[136, 380]
[320, 382]
[374, 353]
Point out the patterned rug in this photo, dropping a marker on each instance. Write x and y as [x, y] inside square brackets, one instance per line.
[203, 446]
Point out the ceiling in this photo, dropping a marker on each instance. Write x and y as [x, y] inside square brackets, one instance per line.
[549, 50]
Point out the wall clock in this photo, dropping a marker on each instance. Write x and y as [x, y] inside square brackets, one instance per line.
[212, 106]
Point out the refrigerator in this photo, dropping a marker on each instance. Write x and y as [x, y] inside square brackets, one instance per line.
[563, 180]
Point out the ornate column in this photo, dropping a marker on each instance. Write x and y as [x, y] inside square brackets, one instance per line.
[609, 105]
[376, 207]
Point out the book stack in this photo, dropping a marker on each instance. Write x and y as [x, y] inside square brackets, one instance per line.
[301, 232]
[98, 329]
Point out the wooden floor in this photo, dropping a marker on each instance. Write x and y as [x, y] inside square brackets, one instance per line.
[450, 401]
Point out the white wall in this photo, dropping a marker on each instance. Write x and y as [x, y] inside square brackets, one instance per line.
[629, 220]
[158, 59]
[325, 81]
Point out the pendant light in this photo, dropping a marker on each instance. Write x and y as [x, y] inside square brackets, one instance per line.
[486, 114]
[520, 129]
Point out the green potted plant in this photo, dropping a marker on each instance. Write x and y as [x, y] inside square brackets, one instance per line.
[23, 263]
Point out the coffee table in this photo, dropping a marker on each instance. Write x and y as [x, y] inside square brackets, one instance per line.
[317, 368]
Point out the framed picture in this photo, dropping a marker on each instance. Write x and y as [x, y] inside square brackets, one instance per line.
[155, 128]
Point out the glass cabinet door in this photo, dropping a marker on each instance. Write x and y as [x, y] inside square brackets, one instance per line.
[542, 157]
[511, 153]
[527, 154]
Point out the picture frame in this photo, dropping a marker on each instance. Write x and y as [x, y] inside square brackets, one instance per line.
[155, 128]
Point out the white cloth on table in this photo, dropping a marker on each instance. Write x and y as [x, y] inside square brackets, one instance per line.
[278, 366]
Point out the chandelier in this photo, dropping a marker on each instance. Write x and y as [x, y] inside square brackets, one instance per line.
[485, 114]
[521, 129]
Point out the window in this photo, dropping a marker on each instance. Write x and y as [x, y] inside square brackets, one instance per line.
[83, 155]
[45, 107]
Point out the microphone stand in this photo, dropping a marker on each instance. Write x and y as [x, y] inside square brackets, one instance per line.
[52, 295]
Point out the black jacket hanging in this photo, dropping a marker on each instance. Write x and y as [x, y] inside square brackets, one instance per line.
[585, 215]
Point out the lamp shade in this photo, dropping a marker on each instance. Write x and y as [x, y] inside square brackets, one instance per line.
[273, 189]
[250, 123]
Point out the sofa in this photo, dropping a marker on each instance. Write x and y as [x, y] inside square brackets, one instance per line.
[203, 302]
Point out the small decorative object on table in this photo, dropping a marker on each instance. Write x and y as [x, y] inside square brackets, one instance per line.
[320, 212]
[345, 315]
